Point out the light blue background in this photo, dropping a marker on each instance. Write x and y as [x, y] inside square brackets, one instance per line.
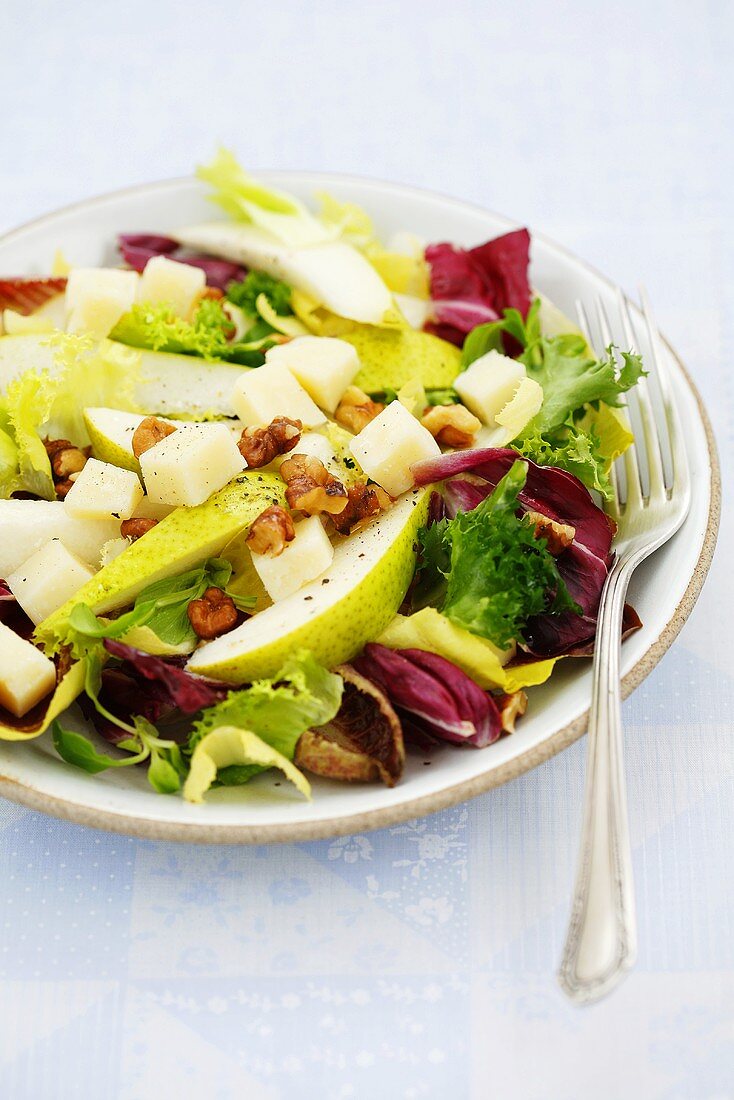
[416, 962]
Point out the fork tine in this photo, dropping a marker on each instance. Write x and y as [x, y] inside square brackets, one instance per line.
[612, 506]
[628, 465]
[679, 480]
[639, 399]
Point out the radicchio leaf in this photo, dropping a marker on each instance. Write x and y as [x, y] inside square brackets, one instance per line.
[436, 695]
[26, 295]
[155, 688]
[137, 248]
[363, 742]
[169, 682]
[472, 286]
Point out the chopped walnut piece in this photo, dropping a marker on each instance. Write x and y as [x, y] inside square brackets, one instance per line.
[150, 431]
[558, 536]
[259, 446]
[511, 707]
[67, 462]
[269, 533]
[356, 409]
[212, 615]
[136, 528]
[363, 503]
[311, 488]
[451, 425]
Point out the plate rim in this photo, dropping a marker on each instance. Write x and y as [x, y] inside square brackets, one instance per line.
[369, 820]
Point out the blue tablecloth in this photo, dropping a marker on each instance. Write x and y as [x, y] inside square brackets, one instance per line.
[416, 962]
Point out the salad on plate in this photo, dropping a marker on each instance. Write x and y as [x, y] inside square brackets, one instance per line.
[276, 494]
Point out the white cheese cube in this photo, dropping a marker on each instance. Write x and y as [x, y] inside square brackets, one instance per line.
[190, 464]
[323, 365]
[167, 282]
[261, 394]
[392, 443]
[26, 676]
[47, 579]
[304, 559]
[97, 297]
[488, 384]
[102, 489]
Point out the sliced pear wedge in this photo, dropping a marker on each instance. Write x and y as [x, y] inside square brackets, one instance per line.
[333, 616]
[392, 357]
[173, 385]
[182, 540]
[111, 434]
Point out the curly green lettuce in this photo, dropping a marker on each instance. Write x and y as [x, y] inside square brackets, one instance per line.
[485, 569]
[46, 403]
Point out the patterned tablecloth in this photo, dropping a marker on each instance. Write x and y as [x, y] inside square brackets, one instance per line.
[416, 962]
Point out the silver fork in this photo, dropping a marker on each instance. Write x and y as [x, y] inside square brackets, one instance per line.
[651, 500]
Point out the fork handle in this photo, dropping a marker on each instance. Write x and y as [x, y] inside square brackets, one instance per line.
[601, 941]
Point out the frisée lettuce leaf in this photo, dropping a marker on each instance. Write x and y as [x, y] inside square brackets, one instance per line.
[486, 570]
[45, 403]
[207, 335]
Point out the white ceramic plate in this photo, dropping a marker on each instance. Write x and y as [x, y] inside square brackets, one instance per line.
[663, 590]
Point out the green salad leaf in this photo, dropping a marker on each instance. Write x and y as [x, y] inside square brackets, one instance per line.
[207, 335]
[246, 293]
[575, 428]
[39, 403]
[488, 337]
[166, 766]
[303, 694]
[162, 607]
[486, 571]
[258, 727]
[243, 198]
[231, 750]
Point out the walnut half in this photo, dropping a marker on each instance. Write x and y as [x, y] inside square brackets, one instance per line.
[451, 425]
[364, 502]
[270, 532]
[356, 409]
[212, 615]
[558, 536]
[311, 488]
[137, 527]
[67, 461]
[259, 446]
[150, 431]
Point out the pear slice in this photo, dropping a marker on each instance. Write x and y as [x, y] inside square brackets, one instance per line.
[27, 525]
[334, 616]
[169, 384]
[333, 273]
[111, 434]
[392, 357]
[180, 541]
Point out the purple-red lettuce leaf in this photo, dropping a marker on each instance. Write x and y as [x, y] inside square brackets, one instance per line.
[137, 248]
[438, 698]
[471, 287]
[171, 683]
